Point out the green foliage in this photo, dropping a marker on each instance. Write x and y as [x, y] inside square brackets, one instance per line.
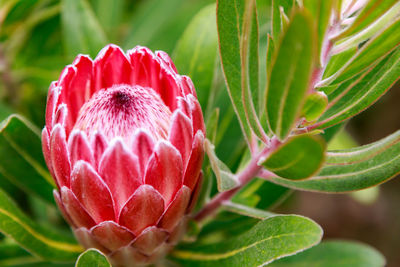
[92, 258]
[298, 158]
[290, 74]
[334, 254]
[283, 235]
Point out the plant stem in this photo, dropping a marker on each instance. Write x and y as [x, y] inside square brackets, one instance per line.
[252, 170]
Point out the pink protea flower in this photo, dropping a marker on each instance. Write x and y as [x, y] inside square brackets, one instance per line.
[124, 142]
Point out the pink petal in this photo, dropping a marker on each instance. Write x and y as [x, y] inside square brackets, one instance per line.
[129, 256]
[86, 239]
[181, 134]
[188, 86]
[80, 88]
[92, 192]
[120, 171]
[64, 212]
[195, 194]
[142, 210]
[46, 150]
[143, 146]
[176, 209]
[79, 148]
[74, 209]
[197, 114]
[166, 59]
[150, 239]
[59, 156]
[183, 106]
[52, 99]
[164, 171]
[67, 75]
[195, 161]
[111, 67]
[177, 233]
[99, 145]
[111, 235]
[61, 115]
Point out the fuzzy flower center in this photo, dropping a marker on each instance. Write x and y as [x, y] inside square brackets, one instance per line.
[120, 110]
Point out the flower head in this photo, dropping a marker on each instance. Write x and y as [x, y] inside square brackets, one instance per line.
[124, 142]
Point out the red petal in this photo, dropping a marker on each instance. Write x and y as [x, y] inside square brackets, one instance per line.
[61, 115]
[79, 148]
[166, 59]
[183, 106]
[67, 75]
[120, 171]
[74, 209]
[59, 156]
[176, 209]
[195, 162]
[99, 145]
[143, 146]
[195, 194]
[142, 210]
[64, 212]
[197, 114]
[181, 134]
[164, 171]
[111, 67]
[46, 150]
[150, 239]
[87, 240]
[52, 99]
[187, 86]
[111, 235]
[80, 89]
[92, 192]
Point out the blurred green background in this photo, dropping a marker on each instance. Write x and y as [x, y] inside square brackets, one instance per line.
[39, 37]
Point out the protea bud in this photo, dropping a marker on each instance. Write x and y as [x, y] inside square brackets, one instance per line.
[124, 142]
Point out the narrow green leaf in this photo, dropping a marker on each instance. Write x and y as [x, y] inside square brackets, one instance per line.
[321, 12]
[353, 96]
[41, 242]
[298, 158]
[374, 50]
[334, 254]
[238, 40]
[92, 258]
[21, 158]
[290, 74]
[315, 105]
[354, 169]
[276, 22]
[226, 180]
[268, 240]
[371, 12]
[196, 52]
[108, 14]
[247, 211]
[212, 125]
[81, 31]
[336, 62]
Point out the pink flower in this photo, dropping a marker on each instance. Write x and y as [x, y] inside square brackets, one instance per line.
[124, 142]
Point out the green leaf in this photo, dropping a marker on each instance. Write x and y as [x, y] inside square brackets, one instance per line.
[226, 180]
[334, 254]
[196, 52]
[41, 242]
[247, 211]
[375, 49]
[81, 31]
[267, 241]
[298, 158]
[92, 258]
[276, 22]
[370, 13]
[352, 97]
[335, 63]
[212, 125]
[290, 74]
[238, 42]
[315, 105]
[354, 169]
[21, 158]
[321, 12]
[108, 14]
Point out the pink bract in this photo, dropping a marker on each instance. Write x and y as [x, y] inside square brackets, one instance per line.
[124, 142]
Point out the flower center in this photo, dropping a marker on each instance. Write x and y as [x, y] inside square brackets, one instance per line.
[120, 110]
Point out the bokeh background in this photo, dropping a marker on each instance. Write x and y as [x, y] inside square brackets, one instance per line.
[39, 37]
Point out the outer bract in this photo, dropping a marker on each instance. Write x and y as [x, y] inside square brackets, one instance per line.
[124, 142]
